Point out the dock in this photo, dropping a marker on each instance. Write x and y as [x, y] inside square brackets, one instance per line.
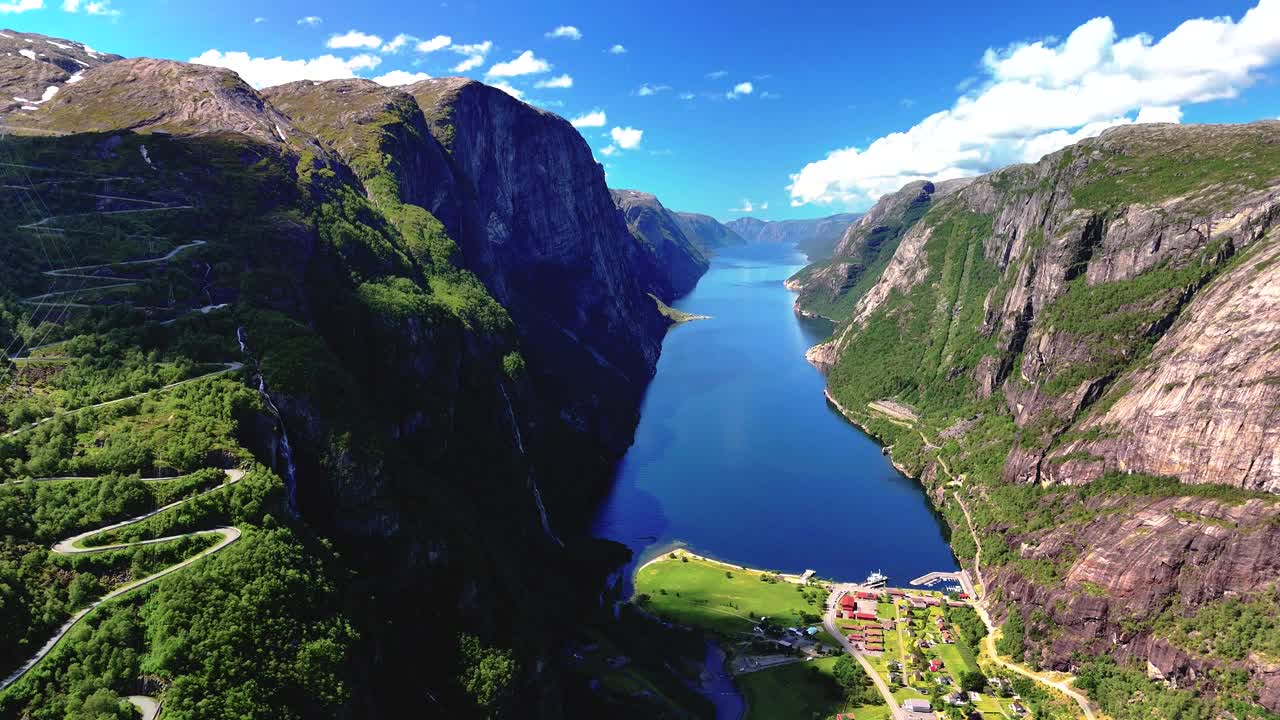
[961, 577]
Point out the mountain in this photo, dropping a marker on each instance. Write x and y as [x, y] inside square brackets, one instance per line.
[830, 287]
[662, 234]
[815, 238]
[707, 233]
[1086, 347]
[34, 68]
[389, 342]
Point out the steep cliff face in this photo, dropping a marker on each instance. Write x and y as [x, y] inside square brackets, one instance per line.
[554, 250]
[659, 231]
[456, 335]
[1070, 332]
[815, 238]
[707, 233]
[831, 287]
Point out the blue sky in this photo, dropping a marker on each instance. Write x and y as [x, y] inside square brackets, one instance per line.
[845, 101]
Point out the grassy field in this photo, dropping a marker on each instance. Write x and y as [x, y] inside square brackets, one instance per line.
[803, 690]
[710, 596]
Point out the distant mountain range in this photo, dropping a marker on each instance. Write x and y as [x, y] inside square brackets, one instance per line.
[815, 238]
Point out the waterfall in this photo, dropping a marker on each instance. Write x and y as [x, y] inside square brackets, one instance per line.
[286, 450]
[533, 484]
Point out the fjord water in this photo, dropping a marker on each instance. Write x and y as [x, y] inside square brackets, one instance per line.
[739, 457]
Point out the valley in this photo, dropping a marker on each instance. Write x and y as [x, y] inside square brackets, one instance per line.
[334, 394]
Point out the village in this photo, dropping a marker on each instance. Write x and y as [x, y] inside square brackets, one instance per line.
[921, 647]
[905, 638]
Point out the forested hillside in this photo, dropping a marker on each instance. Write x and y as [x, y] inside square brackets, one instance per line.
[273, 422]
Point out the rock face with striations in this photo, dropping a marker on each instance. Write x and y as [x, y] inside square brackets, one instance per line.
[1102, 325]
[660, 232]
[544, 235]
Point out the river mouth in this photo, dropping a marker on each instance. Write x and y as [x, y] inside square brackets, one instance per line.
[739, 457]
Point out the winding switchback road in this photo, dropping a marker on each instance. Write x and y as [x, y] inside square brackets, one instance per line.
[71, 546]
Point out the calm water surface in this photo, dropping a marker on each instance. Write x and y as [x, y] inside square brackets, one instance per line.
[739, 457]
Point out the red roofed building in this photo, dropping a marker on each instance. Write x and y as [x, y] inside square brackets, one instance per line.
[865, 595]
[864, 616]
[935, 665]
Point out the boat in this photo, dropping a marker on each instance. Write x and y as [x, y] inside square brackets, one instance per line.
[876, 579]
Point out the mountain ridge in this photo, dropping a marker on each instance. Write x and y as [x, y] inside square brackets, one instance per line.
[1080, 333]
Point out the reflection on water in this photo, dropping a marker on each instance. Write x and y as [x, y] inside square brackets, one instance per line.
[739, 456]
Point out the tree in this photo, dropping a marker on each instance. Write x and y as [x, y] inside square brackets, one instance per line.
[849, 674]
[1012, 640]
[972, 681]
[487, 673]
[84, 587]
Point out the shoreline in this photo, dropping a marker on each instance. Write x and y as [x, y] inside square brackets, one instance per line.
[869, 433]
[665, 556]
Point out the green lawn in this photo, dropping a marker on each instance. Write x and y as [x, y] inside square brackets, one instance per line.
[802, 691]
[700, 594]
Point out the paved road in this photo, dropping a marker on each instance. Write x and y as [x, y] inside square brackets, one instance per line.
[229, 367]
[148, 706]
[829, 621]
[69, 547]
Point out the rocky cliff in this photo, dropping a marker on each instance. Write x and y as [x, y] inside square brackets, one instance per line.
[548, 241]
[830, 287]
[1090, 342]
[446, 307]
[660, 232]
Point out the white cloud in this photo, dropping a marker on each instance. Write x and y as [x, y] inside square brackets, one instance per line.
[353, 39]
[259, 20]
[608, 150]
[20, 6]
[627, 138]
[687, 96]
[311, 20]
[566, 31]
[717, 74]
[475, 55]
[563, 81]
[94, 7]
[526, 63]
[397, 43]
[742, 88]
[748, 206]
[401, 77]
[364, 62]
[646, 89]
[595, 118]
[1036, 97]
[513, 92]
[618, 50]
[266, 72]
[438, 42]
